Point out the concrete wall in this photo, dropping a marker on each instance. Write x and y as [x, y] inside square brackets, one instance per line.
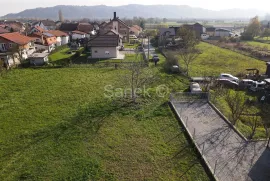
[58, 41]
[104, 52]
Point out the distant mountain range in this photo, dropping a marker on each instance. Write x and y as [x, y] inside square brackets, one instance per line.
[129, 11]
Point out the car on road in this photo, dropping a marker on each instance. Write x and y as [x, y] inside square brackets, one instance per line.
[228, 77]
[227, 83]
[195, 87]
[155, 58]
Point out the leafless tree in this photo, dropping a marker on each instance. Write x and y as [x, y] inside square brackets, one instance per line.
[137, 78]
[236, 102]
[265, 115]
[253, 123]
[188, 56]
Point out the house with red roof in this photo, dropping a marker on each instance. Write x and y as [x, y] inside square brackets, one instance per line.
[45, 38]
[3, 30]
[135, 30]
[15, 47]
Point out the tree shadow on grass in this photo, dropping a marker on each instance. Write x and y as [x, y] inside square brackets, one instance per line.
[88, 119]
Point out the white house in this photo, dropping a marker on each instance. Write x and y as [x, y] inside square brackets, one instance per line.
[62, 38]
[104, 46]
[79, 35]
[15, 46]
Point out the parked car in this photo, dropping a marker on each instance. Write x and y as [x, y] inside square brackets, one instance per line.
[228, 77]
[246, 83]
[228, 83]
[257, 86]
[195, 87]
[155, 58]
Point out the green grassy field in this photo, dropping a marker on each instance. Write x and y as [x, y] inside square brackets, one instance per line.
[57, 125]
[258, 44]
[62, 54]
[215, 60]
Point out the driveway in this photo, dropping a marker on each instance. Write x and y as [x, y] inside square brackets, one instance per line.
[229, 155]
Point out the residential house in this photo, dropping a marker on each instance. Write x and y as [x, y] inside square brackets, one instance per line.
[37, 29]
[49, 24]
[104, 46]
[46, 39]
[39, 24]
[68, 27]
[119, 26]
[135, 30]
[210, 31]
[113, 32]
[15, 47]
[14, 26]
[166, 35]
[3, 30]
[221, 32]
[95, 25]
[197, 28]
[86, 28]
[62, 38]
[38, 59]
[79, 35]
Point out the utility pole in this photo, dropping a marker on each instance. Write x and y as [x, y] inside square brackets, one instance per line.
[148, 48]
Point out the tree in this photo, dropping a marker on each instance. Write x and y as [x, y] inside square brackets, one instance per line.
[253, 29]
[171, 60]
[264, 113]
[236, 102]
[137, 77]
[266, 33]
[188, 37]
[188, 56]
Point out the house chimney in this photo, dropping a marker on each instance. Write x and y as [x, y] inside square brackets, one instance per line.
[114, 17]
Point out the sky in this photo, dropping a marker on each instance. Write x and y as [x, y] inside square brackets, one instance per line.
[15, 6]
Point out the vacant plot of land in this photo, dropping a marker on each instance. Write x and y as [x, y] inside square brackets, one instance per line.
[215, 60]
[62, 54]
[258, 44]
[56, 125]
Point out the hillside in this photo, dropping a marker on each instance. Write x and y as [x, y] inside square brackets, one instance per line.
[129, 11]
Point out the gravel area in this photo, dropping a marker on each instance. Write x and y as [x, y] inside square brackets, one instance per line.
[237, 160]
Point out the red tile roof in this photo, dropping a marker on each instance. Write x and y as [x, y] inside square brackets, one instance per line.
[137, 27]
[17, 38]
[40, 29]
[57, 33]
[85, 27]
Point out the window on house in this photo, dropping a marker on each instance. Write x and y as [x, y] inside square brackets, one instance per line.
[10, 45]
[4, 47]
[120, 26]
[96, 51]
[107, 53]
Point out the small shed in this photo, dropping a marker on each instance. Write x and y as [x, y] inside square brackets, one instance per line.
[38, 58]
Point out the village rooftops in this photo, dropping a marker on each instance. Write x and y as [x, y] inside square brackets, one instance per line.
[57, 33]
[16, 38]
[3, 30]
[104, 41]
[69, 26]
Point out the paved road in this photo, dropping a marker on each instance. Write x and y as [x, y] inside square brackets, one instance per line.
[237, 160]
[151, 48]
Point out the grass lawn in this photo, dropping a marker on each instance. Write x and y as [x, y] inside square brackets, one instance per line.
[56, 125]
[215, 60]
[258, 44]
[62, 54]
[129, 45]
[244, 121]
